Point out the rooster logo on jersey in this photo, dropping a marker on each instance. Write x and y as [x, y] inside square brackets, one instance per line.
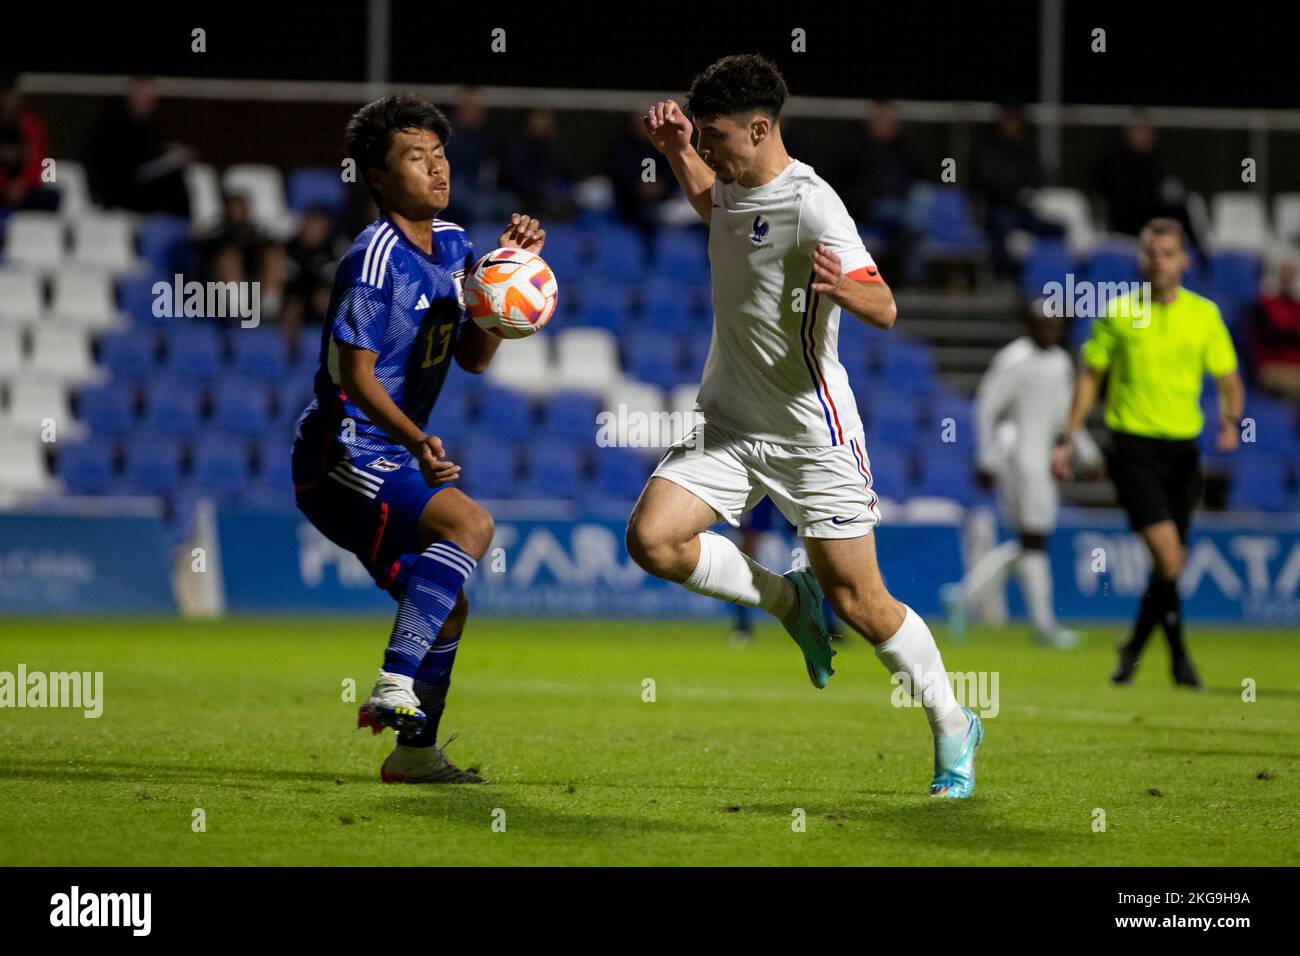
[758, 231]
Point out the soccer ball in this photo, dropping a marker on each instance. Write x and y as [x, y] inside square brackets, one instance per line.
[511, 293]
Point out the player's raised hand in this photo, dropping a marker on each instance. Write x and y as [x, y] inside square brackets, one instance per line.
[668, 128]
[524, 232]
[826, 269]
[434, 465]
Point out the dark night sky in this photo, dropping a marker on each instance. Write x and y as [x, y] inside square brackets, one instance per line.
[1156, 54]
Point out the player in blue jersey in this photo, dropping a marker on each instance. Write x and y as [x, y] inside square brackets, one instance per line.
[366, 471]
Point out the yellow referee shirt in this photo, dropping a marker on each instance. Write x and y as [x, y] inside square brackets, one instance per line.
[1157, 362]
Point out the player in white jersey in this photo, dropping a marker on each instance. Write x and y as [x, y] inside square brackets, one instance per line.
[779, 418]
[1020, 409]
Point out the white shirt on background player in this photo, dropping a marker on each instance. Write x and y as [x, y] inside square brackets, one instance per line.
[773, 371]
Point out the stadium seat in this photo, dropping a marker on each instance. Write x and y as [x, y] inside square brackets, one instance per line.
[908, 368]
[13, 357]
[34, 240]
[317, 186]
[73, 188]
[204, 190]
[152, 465]
[136, 298]
[129, 356]
[84, 298]
[263, 186]
[621, 473]
[523, 365]
[681, 255]
[1257, 483]
[506, 415]
[86, 468]
[893, 423]
[172, 407]
[1049, 260]
[945, 479]
[489, 468]
[604, 303]
[104, 241]
[63, 353]
[1070, 208]
[1114, 262]
[617, 253]
[260, 353]
[553, 471]
[240, 406]
[949, 228]
[570, 416]
[1286, 219]
[654, 357]
[163, 243]
[1275, 420]
[22, 466]
[22, 296]
[638, 409]
[221, 466]
[34, 401]
[1239, 221]
[586, 360]
[1234, 283]
[697, 353]
[890, 473]
[666, 306]
[106, 409]
[192, 349]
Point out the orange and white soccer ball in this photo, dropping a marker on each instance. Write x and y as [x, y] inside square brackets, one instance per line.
[511, 293]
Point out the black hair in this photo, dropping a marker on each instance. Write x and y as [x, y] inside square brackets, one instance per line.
[743, 83]
[369, 133]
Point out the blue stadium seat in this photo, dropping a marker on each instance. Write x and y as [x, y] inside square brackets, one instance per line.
[135, 299]
[907, 367]
[697, 353]
[1234, 283]
[506, 415]
[164, 243]
[949, 225]
[1048, 261]
[106, 409]
[554, 470]
[893, 423]
[129, 355]
[1275, 421]
[666, 306]
[240, 406]
[617, 253]
[890, 472]
[570, 416]
[152, 465]
[193, 350]
[172, 407]
[944, 479]
[317, 186]
[260, 353]
[1258, 483]
[621, 473]
[604, 304]
[682, 255]
[220, 466]
[652, 356]
[86, 467]
[489, 468]
[1113, 265]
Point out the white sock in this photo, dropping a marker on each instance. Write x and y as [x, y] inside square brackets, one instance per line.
[912, 651]
[989, 572]
[728, 574]
[401, 680]
[1035, 574]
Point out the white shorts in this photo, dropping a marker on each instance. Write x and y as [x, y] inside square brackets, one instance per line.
[1029, 496]
[825, 491]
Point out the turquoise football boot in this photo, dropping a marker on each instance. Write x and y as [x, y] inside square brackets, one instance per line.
[954, 760]
[806, 625]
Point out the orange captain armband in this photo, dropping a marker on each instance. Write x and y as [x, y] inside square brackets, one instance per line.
[866, 274]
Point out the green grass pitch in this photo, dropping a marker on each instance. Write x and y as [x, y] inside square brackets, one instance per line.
[244, 719]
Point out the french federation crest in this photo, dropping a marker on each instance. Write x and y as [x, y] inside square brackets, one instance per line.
[758, 231]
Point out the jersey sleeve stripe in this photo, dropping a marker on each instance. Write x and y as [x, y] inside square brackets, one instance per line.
[383, 264]
[379, 235]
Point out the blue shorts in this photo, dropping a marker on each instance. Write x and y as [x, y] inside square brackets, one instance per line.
[370, 505]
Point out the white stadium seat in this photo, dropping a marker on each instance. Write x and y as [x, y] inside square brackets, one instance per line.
[34, 400]
[681, 401]
[12, 359]
[104, 240]
[22, 296]
[22, 465]
[1239, 221]
[205, 196]
[264, 187]
[1286, 218]
[74, 193]
[586, 361]
[62, 352]
[34, 239]
[1070, 208]
[524, 365]
[85, 299]
[639, 407]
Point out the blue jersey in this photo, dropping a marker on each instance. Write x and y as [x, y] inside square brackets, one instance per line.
[392, 298]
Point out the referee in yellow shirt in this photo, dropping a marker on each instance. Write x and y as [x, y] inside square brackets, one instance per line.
[1156, 360]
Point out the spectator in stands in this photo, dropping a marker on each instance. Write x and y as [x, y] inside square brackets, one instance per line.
[877, 180]
[132, 166]
[310, 258]
[532, 170]
[23, 149]
[236, 250]
[1275, 326]
[1005, 171]
[1133, 181]
[475, 194]
[637, 200]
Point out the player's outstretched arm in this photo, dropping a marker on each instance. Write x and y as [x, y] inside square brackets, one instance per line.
[670, 133]
[357, 376]
[872, 301]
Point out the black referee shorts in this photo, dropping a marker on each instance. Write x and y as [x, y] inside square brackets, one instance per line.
[1157, 479]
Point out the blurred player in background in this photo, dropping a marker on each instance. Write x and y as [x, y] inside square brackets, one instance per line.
[365, 471]
[1021, 406]
[1156, 360]
[779, 418]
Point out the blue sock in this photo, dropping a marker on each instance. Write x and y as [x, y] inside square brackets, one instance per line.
[432, 680]
[435, 580]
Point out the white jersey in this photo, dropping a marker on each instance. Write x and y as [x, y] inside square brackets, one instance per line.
[773, 371]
